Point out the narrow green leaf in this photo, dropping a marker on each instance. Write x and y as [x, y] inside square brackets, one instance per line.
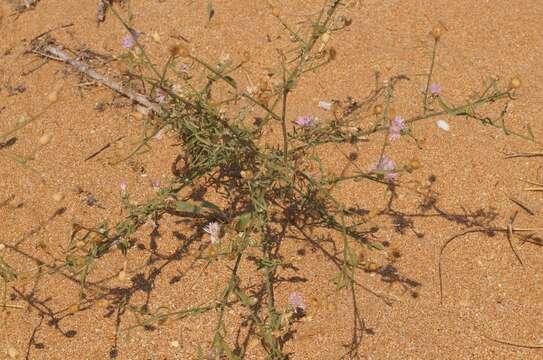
[186, 206]
[210, 10]
[212, 206]
[243, 221]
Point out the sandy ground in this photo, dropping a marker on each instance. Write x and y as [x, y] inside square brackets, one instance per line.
[487, 294]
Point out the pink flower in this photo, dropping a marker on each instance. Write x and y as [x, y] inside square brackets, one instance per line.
[386, 166]
[297, 302]
[306, 121]
[160, 96]
[124, 186]
[435, 89]
[155, 184]
[129, 41]
[395, 128]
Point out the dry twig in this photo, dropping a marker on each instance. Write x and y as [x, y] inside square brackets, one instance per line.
[54, 52]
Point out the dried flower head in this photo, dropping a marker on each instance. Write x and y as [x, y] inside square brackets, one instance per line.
[179, 50]
[396, 127]
[435, 89]
[297, 302]
[214, 231]
[378, 109]
[306, 121]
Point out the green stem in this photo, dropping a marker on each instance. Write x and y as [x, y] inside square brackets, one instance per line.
[430, 72]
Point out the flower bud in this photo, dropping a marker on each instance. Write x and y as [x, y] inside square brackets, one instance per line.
[515, 83]
[437, 32]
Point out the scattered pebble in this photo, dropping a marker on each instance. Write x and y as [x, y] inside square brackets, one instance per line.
[156, 37]
[45, 139]
[443, 125]
[58, 196]
[325, 105]
[174, 343]
[52, 97]
[122, 275]
[13, 353]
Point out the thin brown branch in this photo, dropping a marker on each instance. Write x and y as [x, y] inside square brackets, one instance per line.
[511, 343]
[54, 52]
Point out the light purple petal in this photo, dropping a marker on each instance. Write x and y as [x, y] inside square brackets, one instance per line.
[435, 89]
[123, 186]
[129, 41]
[296, 301]
[386, 166]
[395, 128]
[306, 121]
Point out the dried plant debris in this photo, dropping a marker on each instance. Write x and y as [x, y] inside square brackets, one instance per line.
[102, 9]
[24, 5]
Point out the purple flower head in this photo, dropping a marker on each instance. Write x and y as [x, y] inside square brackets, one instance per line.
[155, 184]
[306, 121]
[124, 186]
[386, 166]
[435, 89]
[129, 41]
[396, 127]
[297, 302]
[160, 96]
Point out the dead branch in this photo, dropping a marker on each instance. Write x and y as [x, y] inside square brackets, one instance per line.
[55, 52]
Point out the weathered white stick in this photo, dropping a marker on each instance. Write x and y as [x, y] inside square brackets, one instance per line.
[101, 79]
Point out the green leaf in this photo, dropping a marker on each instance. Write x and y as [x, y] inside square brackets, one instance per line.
[244, 298]
[377, 246]
[243, 221]
[230, 81]
[210, 10]
[186, 206]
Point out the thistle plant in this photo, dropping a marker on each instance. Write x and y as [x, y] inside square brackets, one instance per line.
[268, 191]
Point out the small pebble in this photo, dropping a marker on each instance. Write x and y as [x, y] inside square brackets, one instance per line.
[58, 196]
[45, 139]
[325, 105]
[443, 125]
[13, 353]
